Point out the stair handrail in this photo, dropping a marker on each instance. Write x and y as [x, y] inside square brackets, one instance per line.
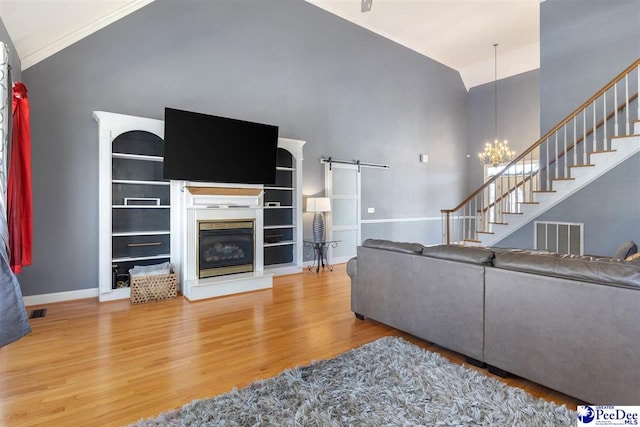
[547, 135]
[465, 214]
[560, 154]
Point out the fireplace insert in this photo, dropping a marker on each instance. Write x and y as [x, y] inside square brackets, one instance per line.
[225, 247]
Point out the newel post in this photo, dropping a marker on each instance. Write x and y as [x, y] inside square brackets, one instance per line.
[446, 225]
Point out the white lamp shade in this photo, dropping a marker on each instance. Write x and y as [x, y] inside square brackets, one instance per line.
[318, 204]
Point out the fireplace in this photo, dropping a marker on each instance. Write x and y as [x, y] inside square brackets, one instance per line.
[228, 223]
[225, 247]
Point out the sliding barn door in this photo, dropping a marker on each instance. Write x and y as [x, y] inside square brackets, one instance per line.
[342, 186]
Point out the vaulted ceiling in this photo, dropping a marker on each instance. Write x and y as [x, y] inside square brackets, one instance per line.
[456, 33]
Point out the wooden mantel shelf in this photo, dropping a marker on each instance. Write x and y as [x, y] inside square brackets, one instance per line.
[224, 191]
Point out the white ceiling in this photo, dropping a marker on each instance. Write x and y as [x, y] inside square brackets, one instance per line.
[457, 33]
[40, 28]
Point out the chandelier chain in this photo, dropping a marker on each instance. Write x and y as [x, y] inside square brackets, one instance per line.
[495, 88]
[498, 152]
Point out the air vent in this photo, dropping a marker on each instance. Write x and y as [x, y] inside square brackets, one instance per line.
[41, 312]
[559, 237]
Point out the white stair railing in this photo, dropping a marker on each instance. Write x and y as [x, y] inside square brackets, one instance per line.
[568, 145]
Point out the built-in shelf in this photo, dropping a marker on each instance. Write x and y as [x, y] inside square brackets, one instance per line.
[128, 181]
[140, 233]
[283, 243]
[140, 207]
[137, 157]
[130, 171]
[280, 188]
[141, 258]
[283, 223]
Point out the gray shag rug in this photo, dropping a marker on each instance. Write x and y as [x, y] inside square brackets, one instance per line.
[389, 382]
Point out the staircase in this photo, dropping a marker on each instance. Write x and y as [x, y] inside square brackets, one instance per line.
[596, 137]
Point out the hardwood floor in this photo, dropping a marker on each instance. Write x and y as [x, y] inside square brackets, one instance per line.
[101, 364]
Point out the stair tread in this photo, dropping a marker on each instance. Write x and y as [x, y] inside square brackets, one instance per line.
[624, 136]
[586, 165]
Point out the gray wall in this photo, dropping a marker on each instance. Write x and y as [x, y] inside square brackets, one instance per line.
[426, 232]
[14, 59]
[518, 122]
[603, 233]
[349, 93]
[583, 45]
[518, 118]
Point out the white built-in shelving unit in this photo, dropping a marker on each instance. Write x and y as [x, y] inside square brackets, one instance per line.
[283, 222]
[134, 199]
[135, 203]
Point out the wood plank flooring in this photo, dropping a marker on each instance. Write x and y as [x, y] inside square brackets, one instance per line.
[111, 364]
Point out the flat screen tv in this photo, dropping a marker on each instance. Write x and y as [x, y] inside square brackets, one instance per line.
[201, 147]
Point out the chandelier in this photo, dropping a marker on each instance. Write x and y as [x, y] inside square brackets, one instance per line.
[496, 153]
[499, 151]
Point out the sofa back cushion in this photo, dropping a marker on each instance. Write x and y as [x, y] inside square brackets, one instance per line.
[586, 268]
[404, 247]
[473, 255]
[626, 249]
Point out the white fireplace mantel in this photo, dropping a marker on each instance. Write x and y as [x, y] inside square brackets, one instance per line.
[213, 202]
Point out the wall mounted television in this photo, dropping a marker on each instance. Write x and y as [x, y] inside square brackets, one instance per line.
[202, 147]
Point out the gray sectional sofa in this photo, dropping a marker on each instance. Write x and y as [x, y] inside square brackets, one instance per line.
[567, 322]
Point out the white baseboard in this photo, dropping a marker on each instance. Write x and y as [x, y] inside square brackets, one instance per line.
[60, 296]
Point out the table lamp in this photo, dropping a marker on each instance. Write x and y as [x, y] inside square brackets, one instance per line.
[318, 205]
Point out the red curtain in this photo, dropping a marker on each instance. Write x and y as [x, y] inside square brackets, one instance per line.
[19, 205]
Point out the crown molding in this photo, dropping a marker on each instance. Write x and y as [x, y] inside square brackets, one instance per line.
[56, 46]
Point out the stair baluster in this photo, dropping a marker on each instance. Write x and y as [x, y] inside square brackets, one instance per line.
[519, 183]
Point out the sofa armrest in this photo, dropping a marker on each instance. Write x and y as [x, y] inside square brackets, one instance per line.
[352, 267]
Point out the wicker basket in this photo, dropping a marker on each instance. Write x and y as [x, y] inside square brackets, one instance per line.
[153, 288]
